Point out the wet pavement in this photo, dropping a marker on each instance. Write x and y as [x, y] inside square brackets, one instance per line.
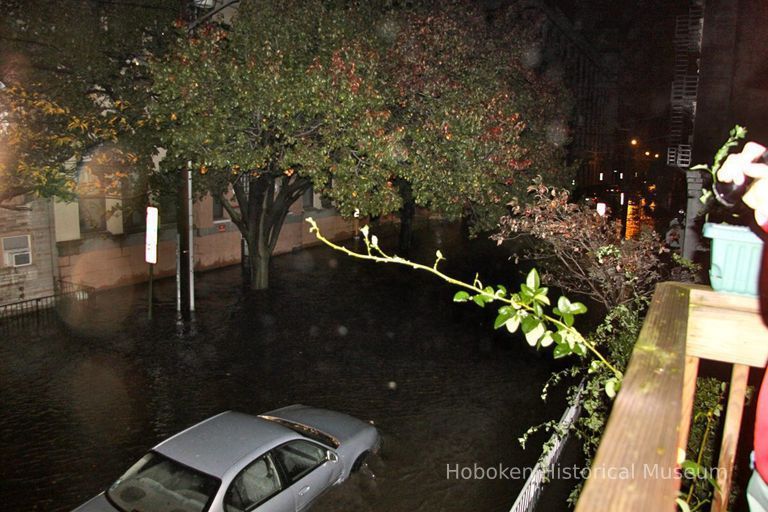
[85, 396]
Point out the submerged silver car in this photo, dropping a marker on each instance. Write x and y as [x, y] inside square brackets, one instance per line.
[276, 462]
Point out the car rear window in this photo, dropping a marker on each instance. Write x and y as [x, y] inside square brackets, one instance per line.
[158, 483]
[305, 430]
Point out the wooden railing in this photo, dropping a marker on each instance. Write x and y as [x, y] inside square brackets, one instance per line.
[636, 466]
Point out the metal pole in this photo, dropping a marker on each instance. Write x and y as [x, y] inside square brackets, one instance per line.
[178, 274]
[191, 243]
[151, 283]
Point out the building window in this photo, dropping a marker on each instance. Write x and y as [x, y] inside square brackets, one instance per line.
[17, 251]
[218, 209]
[308, 199]
[93, 214]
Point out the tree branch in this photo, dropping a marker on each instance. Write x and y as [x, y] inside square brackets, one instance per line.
[234, 216]
[309, 131]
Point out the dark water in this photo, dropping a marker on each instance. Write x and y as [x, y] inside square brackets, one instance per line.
[84, 397]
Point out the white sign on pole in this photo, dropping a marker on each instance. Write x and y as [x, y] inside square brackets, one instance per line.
[150, 248]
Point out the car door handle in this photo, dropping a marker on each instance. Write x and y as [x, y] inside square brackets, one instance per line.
[304, 491]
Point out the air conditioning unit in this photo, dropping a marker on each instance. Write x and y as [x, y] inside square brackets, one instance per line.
[22, 259]
[17, 251]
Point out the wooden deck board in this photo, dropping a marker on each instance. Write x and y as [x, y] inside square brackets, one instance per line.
[635, 468]
[640, 441]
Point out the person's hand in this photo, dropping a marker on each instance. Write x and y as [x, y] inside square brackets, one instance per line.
[740, 165]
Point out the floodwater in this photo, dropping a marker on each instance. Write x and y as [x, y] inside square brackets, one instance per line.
[85, 396]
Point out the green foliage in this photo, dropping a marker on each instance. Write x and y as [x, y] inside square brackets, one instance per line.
[301, 87]
[478, 124]
[355, 101]
[73, 88]
[287, 94]
[286, 98]
[584, 253]
[698, 480]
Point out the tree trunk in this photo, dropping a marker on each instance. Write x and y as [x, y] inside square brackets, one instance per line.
[263, 209]
[407, 214]
[259, 265]
[262, 253]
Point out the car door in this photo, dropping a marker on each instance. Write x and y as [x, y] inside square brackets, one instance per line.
[259, 488]
[308, 469]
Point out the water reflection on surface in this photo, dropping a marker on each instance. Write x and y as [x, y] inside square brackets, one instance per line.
[84, 398]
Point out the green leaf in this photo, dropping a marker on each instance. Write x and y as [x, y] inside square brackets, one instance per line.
[507, 310]
[568, 319]
[577, 308]
[561, 350]
[563, 305]
[692, 468]
[526, 294]
[529, 322]
[500, 320]
[479, 300]
[684, 507]
[612, 387]
[546, 340]
[580, 349]
[513, 323]
[533, 329]
[533, 279]
[461, 296]
[541, 297]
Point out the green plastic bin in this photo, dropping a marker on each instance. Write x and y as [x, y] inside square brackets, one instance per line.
[736, 253]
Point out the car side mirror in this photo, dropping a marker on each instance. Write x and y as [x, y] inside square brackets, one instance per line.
[331, 456]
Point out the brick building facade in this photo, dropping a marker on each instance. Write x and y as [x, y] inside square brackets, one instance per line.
[28, 267]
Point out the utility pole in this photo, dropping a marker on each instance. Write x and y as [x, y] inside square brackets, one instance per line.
[185, 275]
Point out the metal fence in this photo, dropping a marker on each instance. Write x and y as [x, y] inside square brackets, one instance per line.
[64, 291]
[531, 491]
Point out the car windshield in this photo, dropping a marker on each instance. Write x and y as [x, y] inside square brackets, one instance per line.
[305, 430]
[158, 484]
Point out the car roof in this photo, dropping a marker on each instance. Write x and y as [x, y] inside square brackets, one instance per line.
[217, 444]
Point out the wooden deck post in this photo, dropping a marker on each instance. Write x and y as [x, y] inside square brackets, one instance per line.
[689, 393]
[736, 394]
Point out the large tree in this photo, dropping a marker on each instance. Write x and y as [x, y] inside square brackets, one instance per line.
[73, 84]
[373, 107]
[285, 98]
[480, 123]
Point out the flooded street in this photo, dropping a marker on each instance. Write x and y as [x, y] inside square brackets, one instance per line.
[84, 397]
